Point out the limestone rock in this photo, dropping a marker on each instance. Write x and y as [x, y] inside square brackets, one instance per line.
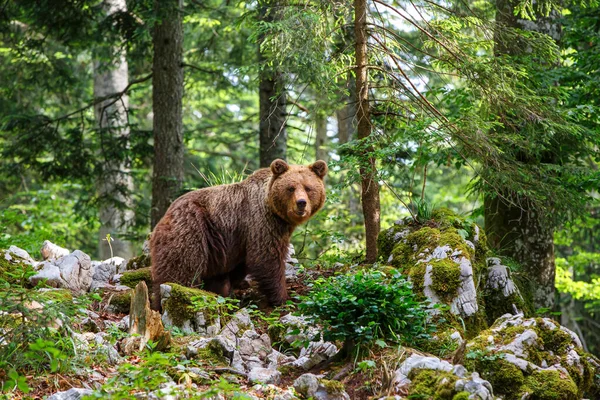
[307, 385]
[50, 251]
[239, 323]
[311, 386]
[73, 272]
[71, 394]
[438, 260]
[532, 356]
[16, 254]
[264, 375]
[476, 387]
[104, 272]
[314, 354]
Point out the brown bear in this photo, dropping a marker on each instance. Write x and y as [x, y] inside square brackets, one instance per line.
[214, 237]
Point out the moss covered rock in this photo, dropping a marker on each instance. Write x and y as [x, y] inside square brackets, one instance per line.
[192, 310]
[432, 384]
[500, 292]
[132, 278]
[139, 262]
[440, 259]
[532, 356]
[425, 377]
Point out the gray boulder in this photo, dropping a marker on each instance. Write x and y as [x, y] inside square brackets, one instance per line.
[311, 386]
[264, 375]
[50, 251]
[71, 394]
[105, 271]
[73, 272]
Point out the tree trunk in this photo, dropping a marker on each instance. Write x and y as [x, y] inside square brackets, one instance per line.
[321, 152]
[167, 93]
[115, 185]
[520, 232]
[515, 228]
[368, 173]
[346, 116]
[272, 99]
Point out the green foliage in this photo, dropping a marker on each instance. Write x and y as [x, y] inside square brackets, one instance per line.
[35, 330]
[362, 307]
[424, 210]
[154, 370]
[29, 217]
[224, 307]
[580, 290]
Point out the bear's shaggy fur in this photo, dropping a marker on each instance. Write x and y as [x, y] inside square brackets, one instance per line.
[214, 237]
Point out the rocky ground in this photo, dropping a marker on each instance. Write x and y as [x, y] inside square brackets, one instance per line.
[94, 335]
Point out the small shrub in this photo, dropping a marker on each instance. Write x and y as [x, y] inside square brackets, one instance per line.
[366, 307]
[35, 331]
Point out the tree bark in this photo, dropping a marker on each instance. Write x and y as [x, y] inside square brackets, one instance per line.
[272, 99]
[520, 232]
[167, 94]
[514, 227]
[115, 185]
[321, 152]
[368, 173]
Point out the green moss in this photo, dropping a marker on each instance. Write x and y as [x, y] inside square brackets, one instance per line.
[555, 340]
[550, 385]
[402, 256]
[288, 369]
[506, 378]
[456, 242]
[333, 387]
[510, 333]
[441, 345]
[139, 262]
[496, 304]
[461, 396]
[482, 251]
[417, 276]
[212, 354]
[132, 278]
[385, 243]
[424, 238]
[430, 384]
[180, 305]
[444, 214]
[121, 302]
[445, 277]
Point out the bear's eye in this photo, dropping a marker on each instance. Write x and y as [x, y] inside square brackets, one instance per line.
[291, 189]
[308, 189]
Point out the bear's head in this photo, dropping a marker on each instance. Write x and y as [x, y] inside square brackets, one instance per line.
[297, 192]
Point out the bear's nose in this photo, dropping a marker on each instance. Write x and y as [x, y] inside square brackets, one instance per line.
[301, 204]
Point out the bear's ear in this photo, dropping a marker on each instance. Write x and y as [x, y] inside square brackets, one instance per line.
[278, 167]
[319, 168]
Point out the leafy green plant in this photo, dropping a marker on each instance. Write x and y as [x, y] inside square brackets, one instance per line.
[483, 355]
[35, 330]
[424, 210]
[224, 307]
[364, 307]
[15, 381]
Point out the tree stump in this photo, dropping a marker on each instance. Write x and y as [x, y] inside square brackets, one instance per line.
[144, 322]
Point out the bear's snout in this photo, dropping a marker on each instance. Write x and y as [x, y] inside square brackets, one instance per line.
[301, 204]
